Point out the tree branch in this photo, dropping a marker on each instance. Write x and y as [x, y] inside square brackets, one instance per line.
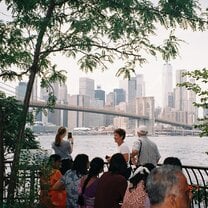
[13, 73]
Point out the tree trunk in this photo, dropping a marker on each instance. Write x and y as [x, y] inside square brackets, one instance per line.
[2, 168]
[33, 71]
[20, 137]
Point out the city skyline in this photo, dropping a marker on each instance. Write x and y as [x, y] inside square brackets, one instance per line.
[178, 105]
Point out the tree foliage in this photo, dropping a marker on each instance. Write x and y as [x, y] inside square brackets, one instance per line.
[11, 111]
[10, 116]
[200, 88]
[95, 32]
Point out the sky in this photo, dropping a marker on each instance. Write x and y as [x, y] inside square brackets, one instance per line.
[193, 55]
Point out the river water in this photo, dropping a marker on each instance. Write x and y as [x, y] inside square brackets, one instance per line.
[191, 150]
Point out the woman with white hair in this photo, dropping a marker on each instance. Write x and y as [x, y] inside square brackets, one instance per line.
[136, 195]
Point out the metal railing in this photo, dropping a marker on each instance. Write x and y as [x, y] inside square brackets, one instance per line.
[197, 177]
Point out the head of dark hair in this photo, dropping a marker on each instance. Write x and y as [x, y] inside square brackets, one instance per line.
[173, 161]
[120, 132]
[53, 158]
[96, 167]
[80, 164]
[118, 164]
[61, 131]
[141, 175]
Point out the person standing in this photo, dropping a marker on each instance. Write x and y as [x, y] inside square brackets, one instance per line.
[144, 150]
[119, 136]
[63, 148]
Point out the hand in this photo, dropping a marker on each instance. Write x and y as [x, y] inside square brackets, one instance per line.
[134, 161]
[71, 140]
[107, 158]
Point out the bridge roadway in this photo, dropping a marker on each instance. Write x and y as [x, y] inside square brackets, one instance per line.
[41, 104]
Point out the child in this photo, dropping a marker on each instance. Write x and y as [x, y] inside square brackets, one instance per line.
[49, 176]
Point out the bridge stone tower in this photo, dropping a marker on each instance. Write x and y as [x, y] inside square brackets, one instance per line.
[145, 106]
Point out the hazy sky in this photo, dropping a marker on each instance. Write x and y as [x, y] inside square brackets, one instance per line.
[193, 55]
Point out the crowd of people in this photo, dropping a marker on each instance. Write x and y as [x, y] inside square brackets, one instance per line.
[132, 179]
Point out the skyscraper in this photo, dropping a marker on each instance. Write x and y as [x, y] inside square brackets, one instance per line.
[100, 94]
[120, 95]
[110, 99]
[140, 85]
[21, 90]
[130, 88]
[87, 87]
[181, 93]
[192, 110]
[76, 118]
[58, 117]
[167, 82]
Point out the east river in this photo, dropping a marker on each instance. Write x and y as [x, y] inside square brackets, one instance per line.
[191, 150]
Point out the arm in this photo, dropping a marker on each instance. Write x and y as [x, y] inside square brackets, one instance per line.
[58, 186]
[134, 157]
[71, 145]
[126, 157]
[134, 153]
[136, 149]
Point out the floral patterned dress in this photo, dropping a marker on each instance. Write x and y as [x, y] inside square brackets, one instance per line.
[136, 198]
[71, 181]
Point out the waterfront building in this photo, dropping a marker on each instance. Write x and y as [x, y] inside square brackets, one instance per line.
[57, 117]
[96, 120]
[171, 100]
[20, 90]
[180, 103]
[110, 99]
[87, 87]
[145, 106]
[109, 105]
[181, 93]
[100, 94]
[121, 122]
[135, 87]
[130, 88]
[120, 95]
[108, 119]
[167, 84]
[78, 118]
[192, 110]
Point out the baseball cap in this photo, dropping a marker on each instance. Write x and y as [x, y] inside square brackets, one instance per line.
[142, 129]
